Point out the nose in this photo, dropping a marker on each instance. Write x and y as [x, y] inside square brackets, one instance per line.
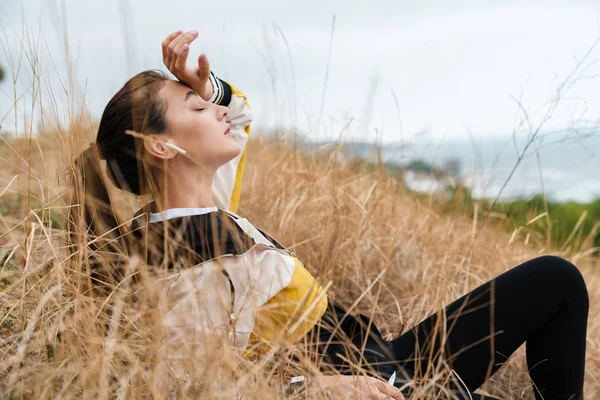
[222, 112]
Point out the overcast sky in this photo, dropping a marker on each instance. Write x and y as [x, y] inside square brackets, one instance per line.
[455, 66]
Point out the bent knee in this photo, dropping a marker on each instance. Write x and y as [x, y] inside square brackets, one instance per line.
[567, 276]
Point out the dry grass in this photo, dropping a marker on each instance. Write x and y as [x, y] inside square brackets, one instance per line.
[361, 232]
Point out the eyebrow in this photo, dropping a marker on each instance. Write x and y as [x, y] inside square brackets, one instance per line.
[190, 93]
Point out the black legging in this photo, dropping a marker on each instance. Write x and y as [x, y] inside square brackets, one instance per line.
[542, 302]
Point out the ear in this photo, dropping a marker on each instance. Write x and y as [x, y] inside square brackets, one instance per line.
[157, 148]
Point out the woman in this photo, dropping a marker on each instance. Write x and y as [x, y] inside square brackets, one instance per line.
[183, 142]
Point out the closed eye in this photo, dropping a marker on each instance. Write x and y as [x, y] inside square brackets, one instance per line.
[200, 109]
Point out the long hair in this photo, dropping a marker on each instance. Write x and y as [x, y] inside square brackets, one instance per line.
[95, 233]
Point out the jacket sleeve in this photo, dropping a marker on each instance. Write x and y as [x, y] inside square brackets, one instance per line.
[227, 183]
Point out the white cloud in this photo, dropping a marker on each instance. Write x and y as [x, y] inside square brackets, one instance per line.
[451, 64]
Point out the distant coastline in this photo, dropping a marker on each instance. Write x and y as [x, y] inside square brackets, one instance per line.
[570, 165]
[565, 221]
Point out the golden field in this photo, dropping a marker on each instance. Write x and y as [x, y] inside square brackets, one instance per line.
[380, 250]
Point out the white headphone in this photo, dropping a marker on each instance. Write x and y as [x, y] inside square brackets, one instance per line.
[176, 148]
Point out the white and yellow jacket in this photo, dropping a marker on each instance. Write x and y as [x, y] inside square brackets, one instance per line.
[238, 281]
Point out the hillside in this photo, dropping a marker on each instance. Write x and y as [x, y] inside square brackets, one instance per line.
[358, 231]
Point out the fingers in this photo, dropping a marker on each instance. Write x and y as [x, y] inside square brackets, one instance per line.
[166, 42]
[362, 386]
[203, 67]
[172, 48]
[183, 39]
[387, 390]
[181, 60]
[368, 388]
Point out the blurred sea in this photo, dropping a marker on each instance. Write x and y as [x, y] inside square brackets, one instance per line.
[569, 164]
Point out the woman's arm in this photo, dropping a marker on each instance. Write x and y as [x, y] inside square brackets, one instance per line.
[227, 183]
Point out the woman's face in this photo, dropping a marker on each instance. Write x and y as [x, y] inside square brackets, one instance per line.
[197, 126]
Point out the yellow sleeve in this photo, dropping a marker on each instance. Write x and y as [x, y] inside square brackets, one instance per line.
[243, 120]
[291, 313]
[227, 184]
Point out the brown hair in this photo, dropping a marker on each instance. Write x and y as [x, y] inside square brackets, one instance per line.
[93, 223]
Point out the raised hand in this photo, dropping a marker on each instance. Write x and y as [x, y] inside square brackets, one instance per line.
[175, 50]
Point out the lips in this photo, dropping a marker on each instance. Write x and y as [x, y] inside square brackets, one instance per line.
[227, 131]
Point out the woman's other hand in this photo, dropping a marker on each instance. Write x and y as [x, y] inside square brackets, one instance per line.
[357, 387]
[175, 50]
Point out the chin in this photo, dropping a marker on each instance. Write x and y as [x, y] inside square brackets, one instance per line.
[237, 147]
[233, 151]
